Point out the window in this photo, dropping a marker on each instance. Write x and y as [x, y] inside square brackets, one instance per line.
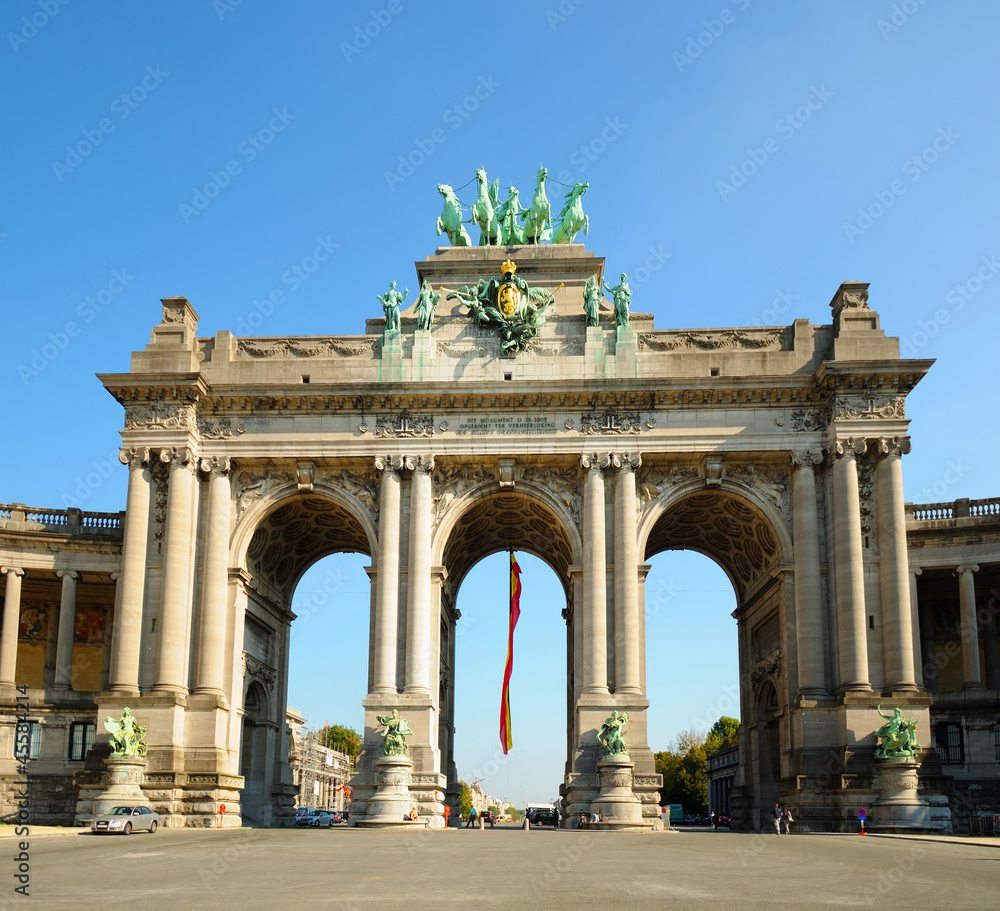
[81, 739]
[27, 740]
[949, 743]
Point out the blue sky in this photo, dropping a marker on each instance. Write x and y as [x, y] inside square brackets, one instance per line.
[744, 158]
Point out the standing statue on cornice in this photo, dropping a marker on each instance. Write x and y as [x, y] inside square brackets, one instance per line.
[390, 305]
[622, 295]
[592, 302]
[426, 305]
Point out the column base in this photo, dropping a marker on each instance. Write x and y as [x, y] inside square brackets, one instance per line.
[390, 806]
[620, 808]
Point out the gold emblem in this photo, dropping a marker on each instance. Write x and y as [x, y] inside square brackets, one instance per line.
[509, 298]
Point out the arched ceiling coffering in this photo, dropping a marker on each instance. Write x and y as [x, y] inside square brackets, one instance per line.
[726, 528]
[506, 520]
[297, 534]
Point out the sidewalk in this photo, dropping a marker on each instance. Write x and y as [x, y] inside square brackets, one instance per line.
[983, 842]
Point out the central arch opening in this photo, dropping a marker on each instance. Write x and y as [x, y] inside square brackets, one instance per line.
[475, 555]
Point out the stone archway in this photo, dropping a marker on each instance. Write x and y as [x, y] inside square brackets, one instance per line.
[747, 536]
[486, 521]
[278, 537]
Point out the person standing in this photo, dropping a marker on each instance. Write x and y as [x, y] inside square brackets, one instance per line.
[472, 818]
[788, 820]
[776, 819]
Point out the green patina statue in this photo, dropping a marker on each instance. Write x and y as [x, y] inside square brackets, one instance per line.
[483, 213]
[390, 304]
[622, 295]
[897, 736]
[538, 218]
[426, 305]
[508, 215]
[592, 302]
[571, 217]
[450, 220]
[610, 734]
[393, 729]
[507, 305]
[128, 737]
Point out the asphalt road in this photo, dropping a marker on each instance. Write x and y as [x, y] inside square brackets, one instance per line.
[499, 868]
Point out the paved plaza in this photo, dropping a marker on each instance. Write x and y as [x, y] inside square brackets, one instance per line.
[505, 868]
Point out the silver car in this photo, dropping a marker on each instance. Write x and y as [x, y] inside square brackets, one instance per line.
[125, 821]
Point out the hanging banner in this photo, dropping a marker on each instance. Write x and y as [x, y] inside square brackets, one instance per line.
[506, 736]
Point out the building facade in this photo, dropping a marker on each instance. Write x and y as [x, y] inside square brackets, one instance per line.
[777, 451]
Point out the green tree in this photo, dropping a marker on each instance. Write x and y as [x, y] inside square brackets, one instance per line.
[340, 738]
[513, 813]
[684, 768]
[723, 736]
[465, 802]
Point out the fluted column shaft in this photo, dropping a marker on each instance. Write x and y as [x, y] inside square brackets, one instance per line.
[627, 676]
[124, 676]
[595, 596]
[64, 635]
[387, 578]
[808, 602]
[971, 671]
[918, 636]
[178, 541]
[215, 581]
[852, 633]
[894, 570]
[418, 587]
[11, 618]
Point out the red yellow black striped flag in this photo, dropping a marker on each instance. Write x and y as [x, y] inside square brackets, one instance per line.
[506, 737]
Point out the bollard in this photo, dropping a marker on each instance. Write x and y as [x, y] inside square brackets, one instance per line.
[526, 825]
[482, 824]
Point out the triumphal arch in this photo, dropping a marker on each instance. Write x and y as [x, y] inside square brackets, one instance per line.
[521, 401]
[522, 409]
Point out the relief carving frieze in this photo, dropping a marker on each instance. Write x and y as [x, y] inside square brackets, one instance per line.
[257, 670]
[219, 428]
[454, 482]
[653, 481]
[363, 487]
[769, 480]
[159, 415]
[483, 347]
[251, 485]
[611, 423]
[404, 426]
[313, 347]
[738, 339]
[770, 665]
[869, 407]
[810, 419]
[866, 497]
[563, 483]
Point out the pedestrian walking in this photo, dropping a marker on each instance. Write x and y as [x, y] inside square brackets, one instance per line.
[776, 819]
[786, 816]
[472, 818]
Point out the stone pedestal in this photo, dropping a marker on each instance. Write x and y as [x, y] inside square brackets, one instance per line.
[899, 807]
[124, 784]
[392, 802]
[620, 808]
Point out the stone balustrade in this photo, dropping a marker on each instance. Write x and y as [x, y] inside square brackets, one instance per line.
[17, 516]
[958, 509]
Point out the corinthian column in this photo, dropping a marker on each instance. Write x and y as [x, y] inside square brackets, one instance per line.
[418, 585]
[11, 618]
[852, 632]
[894, 568]
[595, 596]
[384, 647]
[971, 672]
[627, 675]
[178, 542]
[64, 634]
[215, 581]
[808, 603]
[124, 675]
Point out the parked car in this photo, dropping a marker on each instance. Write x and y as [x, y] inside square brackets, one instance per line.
[489, 817]
[323, 818]
[724, 821]
[125, 821]
[544, 817]
[303, 811]
[305, 819]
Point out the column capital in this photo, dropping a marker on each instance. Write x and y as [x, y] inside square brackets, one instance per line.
[420, 463]
[892, 446]
[595, 461]
[849, 448]
[12, 570]
[626, 461]
[966, 568]
[178, 458]
[215, 465]
[389, 463]
[916, 570]
[134, 458]
[806, 458]
[70, 573]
